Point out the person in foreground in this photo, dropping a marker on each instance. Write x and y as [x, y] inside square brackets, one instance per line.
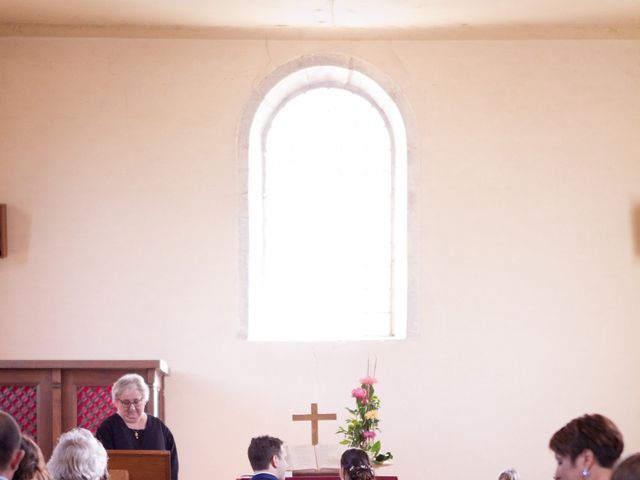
[10, 452]
[629, 469]
[509, 474]
[586, 448]
[78, 456]
[32, 466]
[355, 465]
[267, 458]
[130, 428]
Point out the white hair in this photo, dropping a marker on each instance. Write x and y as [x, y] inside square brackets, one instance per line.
[509, 474]
[127, 381]
[78, 456]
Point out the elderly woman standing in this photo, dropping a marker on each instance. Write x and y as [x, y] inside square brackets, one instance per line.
[586, 448]
[78, 456]
[130, 428]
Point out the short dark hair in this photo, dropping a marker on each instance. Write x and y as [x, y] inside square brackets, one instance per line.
[261, 450]
[594, 432]
[629, 469]
[356, 465]
[9, 438]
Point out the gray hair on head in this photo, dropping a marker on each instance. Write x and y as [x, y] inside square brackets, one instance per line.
[78, 456]
[509, 474]
[130, 380]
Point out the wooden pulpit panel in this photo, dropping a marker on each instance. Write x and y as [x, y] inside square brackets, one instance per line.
[27, 396]
[49, 397]
[141, 464]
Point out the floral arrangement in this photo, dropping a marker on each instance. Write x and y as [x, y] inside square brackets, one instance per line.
[362, 428]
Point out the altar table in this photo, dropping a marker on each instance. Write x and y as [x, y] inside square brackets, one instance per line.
[321, 477]
[331, 477]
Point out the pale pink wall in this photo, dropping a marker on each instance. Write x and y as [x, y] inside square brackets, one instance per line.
[118, 163]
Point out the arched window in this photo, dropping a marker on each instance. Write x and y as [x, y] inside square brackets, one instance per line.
[326, 209]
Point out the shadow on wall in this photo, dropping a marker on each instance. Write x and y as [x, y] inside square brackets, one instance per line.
[19, 234]
[635, 228]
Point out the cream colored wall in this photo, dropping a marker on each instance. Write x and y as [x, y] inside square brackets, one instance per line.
[118, 163]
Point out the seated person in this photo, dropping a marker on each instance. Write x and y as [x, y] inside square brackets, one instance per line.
[629, 469]
[509, 474]
[32, 466]
[10, 452]
[268, 458]
[586, 447]
[78, 456]
[355, 465]
[130, 428]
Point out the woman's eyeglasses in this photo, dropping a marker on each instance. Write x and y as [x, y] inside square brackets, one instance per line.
[127, 403]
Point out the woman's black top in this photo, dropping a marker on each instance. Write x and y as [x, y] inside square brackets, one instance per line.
[114, 434]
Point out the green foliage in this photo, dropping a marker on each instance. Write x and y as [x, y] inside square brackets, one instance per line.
[383, 457]
[375, 448]
[361, 429]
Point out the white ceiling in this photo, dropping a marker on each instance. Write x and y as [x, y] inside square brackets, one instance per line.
[324, 14]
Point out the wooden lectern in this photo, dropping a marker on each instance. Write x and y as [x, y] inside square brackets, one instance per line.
[141, 464]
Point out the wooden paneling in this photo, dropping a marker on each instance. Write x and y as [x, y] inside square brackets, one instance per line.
[59, 382]
[142, 464]
[41, 380]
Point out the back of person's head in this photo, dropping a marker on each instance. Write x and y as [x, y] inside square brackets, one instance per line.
[32, 466]
[629, 469]
[355, 465]
[509, 474]
[261, 450]
[78, 456]
[9, 441]
[593, 432]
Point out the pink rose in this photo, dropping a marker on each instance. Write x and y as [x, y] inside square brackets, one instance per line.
[369, 435]
[359, 393]
[368, 380]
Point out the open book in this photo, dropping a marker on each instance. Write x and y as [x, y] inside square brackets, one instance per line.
[310, 458]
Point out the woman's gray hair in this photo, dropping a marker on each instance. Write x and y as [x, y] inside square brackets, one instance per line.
[127, 381]
[78, 456]
[509, 474]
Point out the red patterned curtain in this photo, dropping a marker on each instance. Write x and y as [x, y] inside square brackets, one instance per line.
[20, 401]
[94, 405]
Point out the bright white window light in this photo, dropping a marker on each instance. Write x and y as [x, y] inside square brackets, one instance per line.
[327, 218]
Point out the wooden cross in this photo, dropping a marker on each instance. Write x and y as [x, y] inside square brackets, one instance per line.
[313, 418]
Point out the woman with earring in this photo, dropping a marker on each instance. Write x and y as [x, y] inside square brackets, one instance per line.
[355, 465]
[586, 448]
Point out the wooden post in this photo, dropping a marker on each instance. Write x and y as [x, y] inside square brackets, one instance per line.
[56, 405]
